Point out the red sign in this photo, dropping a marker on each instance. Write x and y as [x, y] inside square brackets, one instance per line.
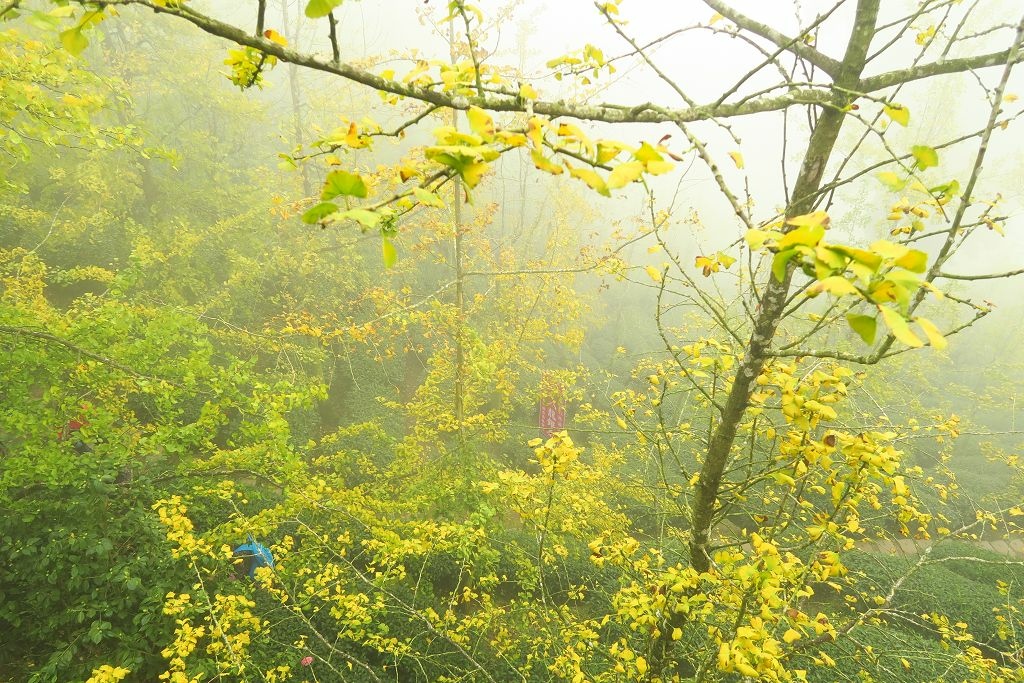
[552, 418]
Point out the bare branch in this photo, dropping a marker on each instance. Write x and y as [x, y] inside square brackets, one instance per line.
[335, 50]
[959, 27]
[1013, 55]
[472, 49]
[794, 45]
[838, 182]
[738, 208]
[900, 76]
[773, 57]
[882, 351]
[986, 276]
[908, 24]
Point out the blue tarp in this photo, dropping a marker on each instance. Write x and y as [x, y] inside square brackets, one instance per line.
[253, 555]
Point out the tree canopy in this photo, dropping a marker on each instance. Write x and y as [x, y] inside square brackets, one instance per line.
[261, 288]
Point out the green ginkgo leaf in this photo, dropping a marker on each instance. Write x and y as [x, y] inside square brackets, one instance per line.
[864, 326]
[925, 156]
[780, 263]
[319, 212]
[73, 40]
[365, 217]
[427, 198]
[343, 183]
[388, 252]
[320, 8]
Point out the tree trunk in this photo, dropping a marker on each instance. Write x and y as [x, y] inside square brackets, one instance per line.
[773, 299]
[296, 93]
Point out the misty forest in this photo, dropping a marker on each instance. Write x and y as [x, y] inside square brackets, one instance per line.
[421, 340]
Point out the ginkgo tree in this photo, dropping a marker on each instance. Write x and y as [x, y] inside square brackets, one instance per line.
[791, 302]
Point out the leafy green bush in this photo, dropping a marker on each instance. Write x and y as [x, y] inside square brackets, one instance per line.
[83, 582]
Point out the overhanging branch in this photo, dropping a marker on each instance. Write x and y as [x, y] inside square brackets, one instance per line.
[944, 66]
[603, 112]
[607, 113]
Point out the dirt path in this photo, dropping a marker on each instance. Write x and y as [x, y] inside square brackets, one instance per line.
[911, 547]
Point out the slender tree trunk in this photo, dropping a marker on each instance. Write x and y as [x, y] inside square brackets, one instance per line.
[295, 87]
[460, 291]
[773, 299]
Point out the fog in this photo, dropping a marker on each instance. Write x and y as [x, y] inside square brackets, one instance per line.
[302, 379]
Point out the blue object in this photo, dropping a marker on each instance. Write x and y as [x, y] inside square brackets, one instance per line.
[253, 555]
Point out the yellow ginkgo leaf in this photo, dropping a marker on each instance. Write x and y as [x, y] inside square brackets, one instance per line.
[609, 149]
[511, 139]
[275, 37]
[899, 327]
[810, 219]
[624, 174]
[836, 285]
[535, 131]
[891, 180]
[658, 167]
[354, 140]
[756, 238]
[935, 337]
[898, 113]
[545, 164]
[806, 235]
[724, 657]
[591, 178]
[473, 173]
[481, 123]
[646, 154]
[707, 265]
